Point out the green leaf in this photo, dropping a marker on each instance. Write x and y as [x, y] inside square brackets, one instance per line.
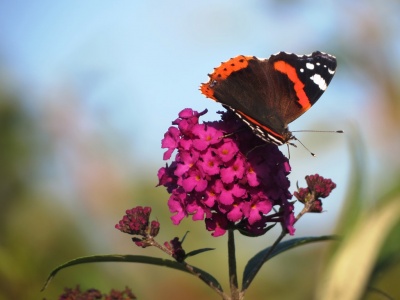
[255, 263]
[198, 251]
[354, 260]
[206, 277]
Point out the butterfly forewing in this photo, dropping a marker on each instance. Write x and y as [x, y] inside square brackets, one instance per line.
[268, 94]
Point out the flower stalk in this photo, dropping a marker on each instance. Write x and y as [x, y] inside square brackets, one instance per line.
[233, 280]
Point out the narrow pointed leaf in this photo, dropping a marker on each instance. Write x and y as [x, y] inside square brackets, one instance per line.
[198, 251]
[133, 259]
[255, 263]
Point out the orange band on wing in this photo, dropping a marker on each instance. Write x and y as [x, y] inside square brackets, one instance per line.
[291, 73]
[207, 91]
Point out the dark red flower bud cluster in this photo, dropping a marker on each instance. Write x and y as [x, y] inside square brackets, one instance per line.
[317, 187]
[94, 294]
[136, 222]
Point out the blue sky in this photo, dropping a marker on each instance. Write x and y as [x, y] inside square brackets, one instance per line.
[138, 63]
[143, 61]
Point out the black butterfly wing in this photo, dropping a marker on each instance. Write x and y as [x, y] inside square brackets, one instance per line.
[271, 93]
[307, 75]
[255, 91]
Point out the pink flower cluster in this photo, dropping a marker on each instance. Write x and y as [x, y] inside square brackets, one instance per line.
[226, 175]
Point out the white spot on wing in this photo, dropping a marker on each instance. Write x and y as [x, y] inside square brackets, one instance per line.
[310, 66]
[318, 80]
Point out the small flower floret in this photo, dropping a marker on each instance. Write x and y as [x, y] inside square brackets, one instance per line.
[175, 246]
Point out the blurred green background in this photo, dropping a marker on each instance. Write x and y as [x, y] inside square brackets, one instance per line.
[87, 91]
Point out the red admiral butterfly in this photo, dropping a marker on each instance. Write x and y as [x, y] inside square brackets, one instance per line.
[268, 94]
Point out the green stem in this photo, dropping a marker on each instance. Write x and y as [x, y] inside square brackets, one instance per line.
[233, 280]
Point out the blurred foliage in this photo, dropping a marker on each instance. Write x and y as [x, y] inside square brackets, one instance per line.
[15, 159]
[36, 232]
[370, 245]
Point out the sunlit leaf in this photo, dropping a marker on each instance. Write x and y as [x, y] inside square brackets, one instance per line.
[355, 259]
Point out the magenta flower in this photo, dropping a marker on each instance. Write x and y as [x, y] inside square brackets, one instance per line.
[170, 141]
[223, 174]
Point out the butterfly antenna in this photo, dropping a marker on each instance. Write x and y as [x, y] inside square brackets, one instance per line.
[329, 131]
[296, 139]
[325, 131]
